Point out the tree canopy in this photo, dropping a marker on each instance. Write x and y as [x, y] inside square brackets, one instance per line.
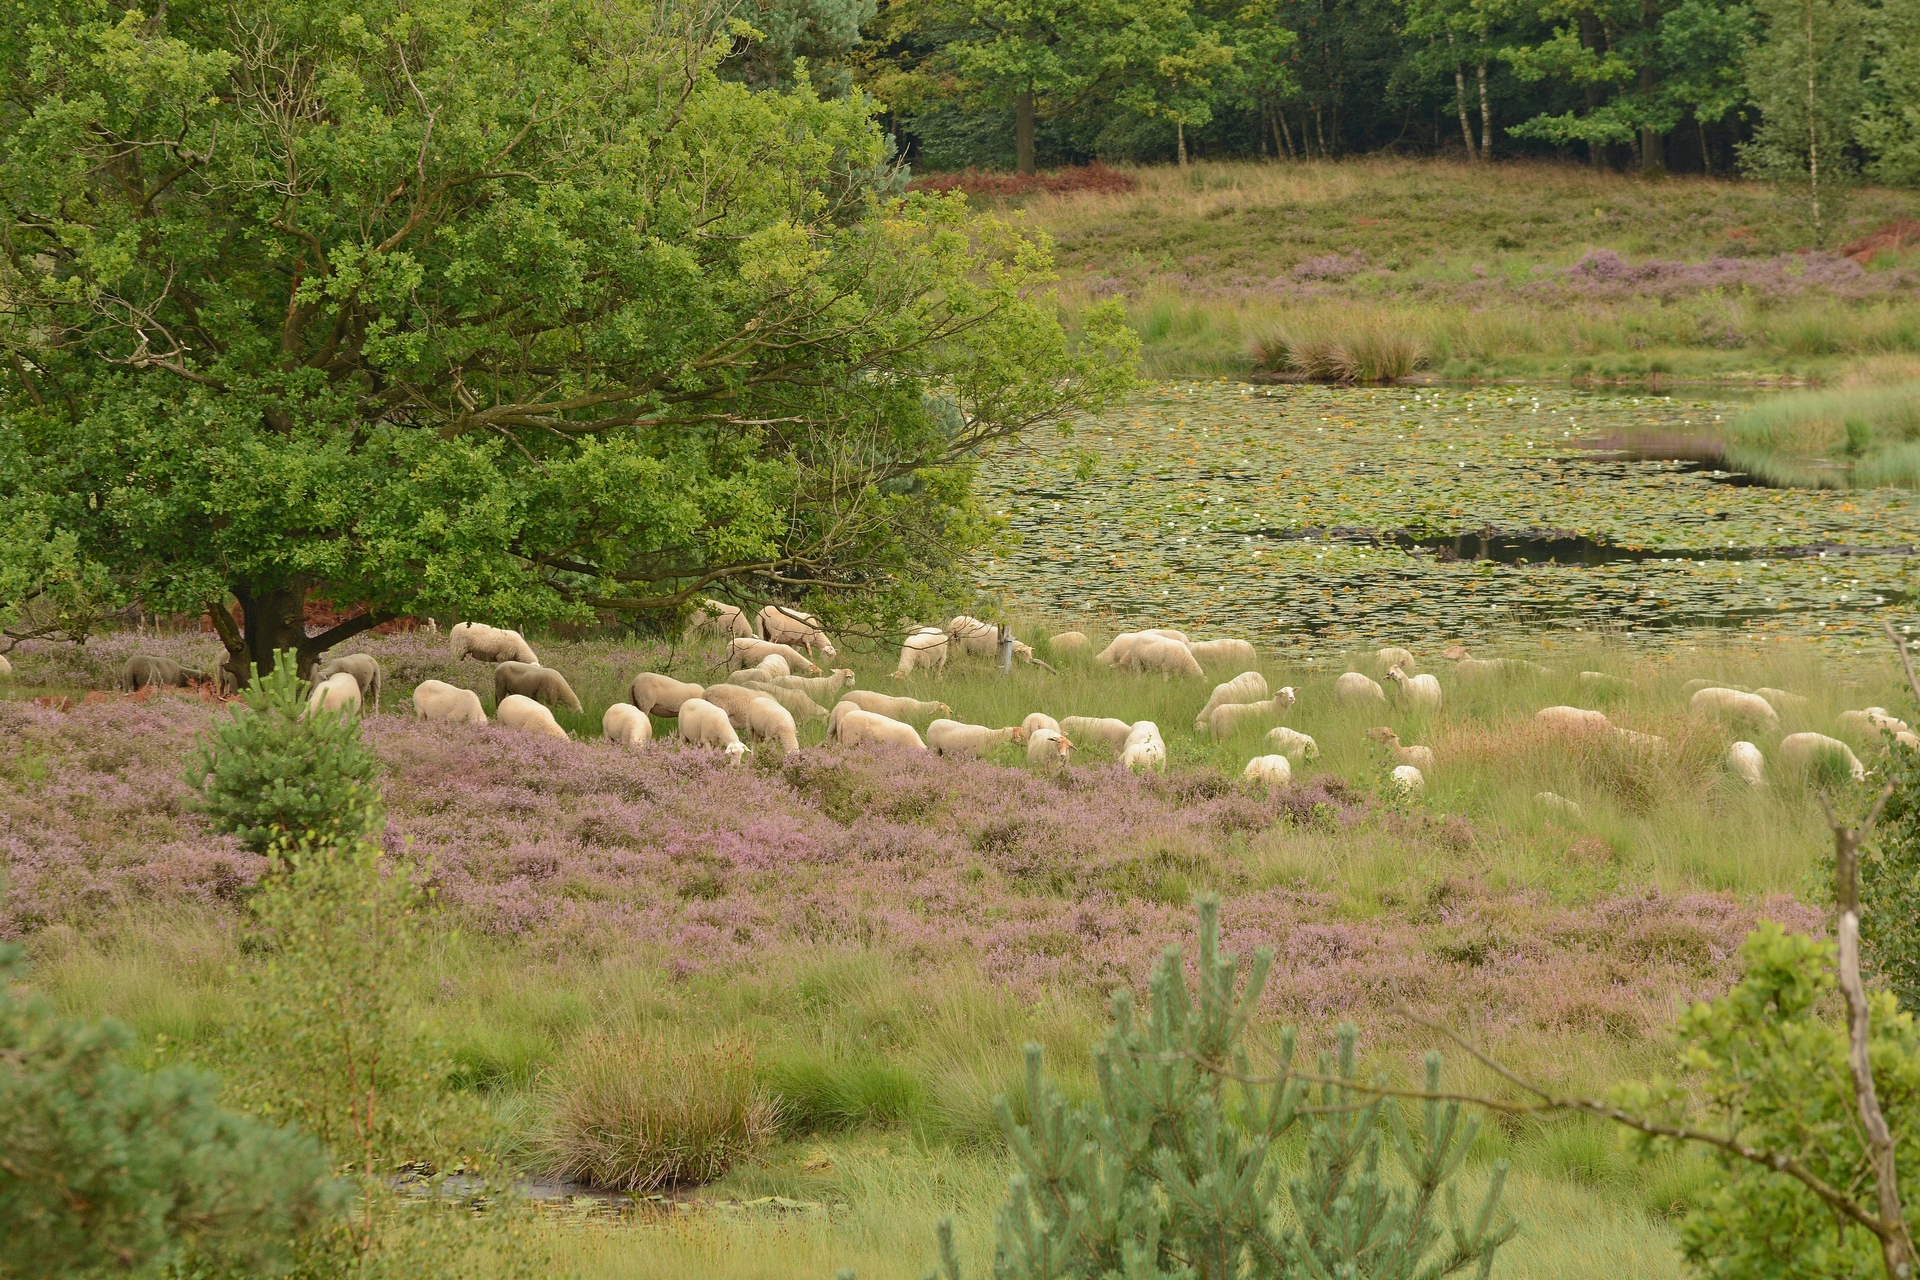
[514, 311]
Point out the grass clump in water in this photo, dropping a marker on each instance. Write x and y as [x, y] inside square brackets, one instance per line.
[1368, 349]
[1858, 437]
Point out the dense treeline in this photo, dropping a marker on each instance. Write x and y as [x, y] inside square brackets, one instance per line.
[1685, 85]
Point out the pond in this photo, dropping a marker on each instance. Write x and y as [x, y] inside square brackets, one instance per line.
[1318, 518]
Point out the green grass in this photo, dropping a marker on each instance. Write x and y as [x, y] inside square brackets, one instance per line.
[1845, 438]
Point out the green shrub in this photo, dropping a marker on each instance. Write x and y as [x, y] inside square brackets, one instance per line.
[108, 1170]
[1890, 883]
[270, 768]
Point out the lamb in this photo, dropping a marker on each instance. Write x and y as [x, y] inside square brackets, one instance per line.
[1800, 751]
[1223, 653]
[1409, 779]
[717, 618]
[797, 703]
[542, 684]
[1733, 704]
[705, 725]
[142, 670]
[895, 708]
[1229, 716]
[857, 726]
[748, 652]
[1157, 653]
[659, 695]
[1747, 764]
[734, 700]
[1069, 644]
[1293, 744]
[926, 648]
[1106, 732]
[1420, 691]
[1419, 757]
[517, 711]
[364, 669]
[479, 641]
[1038, 720]
[771, 722]
[626, 725]
[821, 688]
[1144, 747]
[335, 693]
[438, 700]
[1572, 719]
[1394, 656]
[784, 624]
[1353, 688]
[951, 737]
[1048, 746]
[1248, 686]
[1272, 772]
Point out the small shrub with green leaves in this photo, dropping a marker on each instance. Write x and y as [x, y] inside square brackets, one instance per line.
[1890, 883]
[1175, 1175]
[108, 1170]
[271, 767]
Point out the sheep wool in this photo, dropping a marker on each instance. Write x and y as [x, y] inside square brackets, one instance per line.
[1069, 644]
[1801, 751]
[1248, 686]
[1733, 705]
[1353, 689]
[768, 721]
[335, 693]
[784, 624]
[516, 711]
[1293, 744]
[1101, 731]
[364, 669]
[924, 650]
[1747, 764]
[1271, 772]
[705, 725]
[626, 725]
[542, 684]
[951, 737]
[857, 727]
[748, 652]
[660, 695]
[1419, 691]
[895, 708]
[489, 644]
[1409, 779]
[1223, 654]
[1038, 720]
[438, 700]
[1048, 746]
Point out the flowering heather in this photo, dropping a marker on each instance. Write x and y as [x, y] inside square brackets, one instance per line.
[1074, 878]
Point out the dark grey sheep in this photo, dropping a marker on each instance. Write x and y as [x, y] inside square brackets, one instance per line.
[143, 669]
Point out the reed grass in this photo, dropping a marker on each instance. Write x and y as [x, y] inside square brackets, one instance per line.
[1857, 437]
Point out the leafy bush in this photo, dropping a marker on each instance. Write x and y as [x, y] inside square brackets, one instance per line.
[635, 1113]
[1890, 883]
[271, 769]
[110, 1170]
[1170, 1177]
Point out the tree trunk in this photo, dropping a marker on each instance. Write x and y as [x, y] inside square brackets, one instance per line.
[1813, 131]
[1486, 116]
[1460, 102]
[1319, 129]
[1023, 132]
[1706, 154]
[272, 620]
[1180, 144]
[1286, 134]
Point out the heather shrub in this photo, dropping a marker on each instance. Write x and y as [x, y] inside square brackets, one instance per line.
[270, 770]
[111, 1170]
[639, 1112]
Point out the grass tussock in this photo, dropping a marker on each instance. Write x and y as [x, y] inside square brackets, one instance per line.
[1370, 348]
[1858, 437]
[637, 1112]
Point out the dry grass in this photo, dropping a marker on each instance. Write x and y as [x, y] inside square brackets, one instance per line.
[1369, 347]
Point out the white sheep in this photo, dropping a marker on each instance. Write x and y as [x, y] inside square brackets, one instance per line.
[1069, 644]
[1467, 665]
[825, 688]
[1419, 757]
[1115, 654]
[1732, 704]
[1293, 744]
[952, 737]
[542, 684]
[1101, 731]
[438, 700]
[771, 722]
[489, 644]
[1158, 653]
[717, 618]
[1783, 701]
[1420, 691]
[1272, 772]
[1408, 778]
[973, 637]
[1640, 741]
[784, 624]
[1599, 681]
[1394, 656]
[335, 693]
[797, 703]
[772, 667]
[1248, 686]
[6, 668]
[1038, 720]
[626, 725]
[734, 700]
[1224, 653]
[895, 708]
[1871, 722]
[857, 726]
[1572, 719]
[925, 649]
[1747, 764]
[364, 668]
[1352, 689]
[1144, 747]
[1048, 746]
[517, 711]
[1228, 717]
[749, 652]
[660, 695]
[1799, 751]
[704, 724]
[1557, 804]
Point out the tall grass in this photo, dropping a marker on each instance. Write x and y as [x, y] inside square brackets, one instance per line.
[1850, 437]
[1367, 347]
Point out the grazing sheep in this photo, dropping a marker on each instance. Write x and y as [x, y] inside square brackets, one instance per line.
[1394, 656]
[1069, 644]
[1144, 748]
[1599, 680]
[516, 711]
[1048, 746]
[1870, 722]
[717, 618]
[772, 667]
[1419, 757]
[6, 668]
[1272, 772]
[1157, 653]
[1642, 741]
[1572, 719]
[142, 670]
[1799, 751]
[797, 703]
[1747, 764]
[925, 648]
[1557, 804]
[1420, 691]
[734, 700]
[1907, 738]
[1353, 688]
[857, 726]
[659, 695]
[1782, 700]
[784, 624]
[1409, 779]
[1168, 633]
[895, 708]
[627, 725]
[542, 684]
[771, 722]
[705, 725]
[364, 669]
[749, 652]
[1105, 732]
[1228, 717]
[1038, 720]
[1248, 686]
[973, 637]
[1223, 653]
[1692, 687]
[479, 641]
[1467, 665]
[1733, 704]
[951, 737]
[438, 700]
[1293, 744]
[335, 693]
[1115, 654]
[820, 688]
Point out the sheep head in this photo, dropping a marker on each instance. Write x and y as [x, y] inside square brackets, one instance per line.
[737, 752]
[1456, 653]
[1384, 736]
[1285, 697]
[1395, 674]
